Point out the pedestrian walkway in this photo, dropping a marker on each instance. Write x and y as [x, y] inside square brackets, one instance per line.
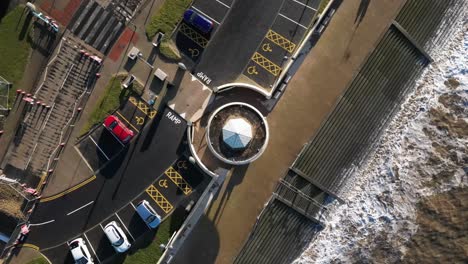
[50, 111]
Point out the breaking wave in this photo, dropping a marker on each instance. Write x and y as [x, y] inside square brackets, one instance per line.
[423, 152]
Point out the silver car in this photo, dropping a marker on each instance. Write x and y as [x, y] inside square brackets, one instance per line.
[117, 237]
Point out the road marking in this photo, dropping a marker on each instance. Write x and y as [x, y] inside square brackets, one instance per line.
[101, 226]
[304, 27]
[281, 41]
[252, 70]
[223, 4]
[128, 122]
[266, 64]
[134, 207]
[84, 159]
[43, 223]
[53, 197]
[178, 180]
[92, 248]
[306, 6]
[124, 226]
[199, 11]
[160, 200]
[102, 151]
[142, 107]
[31, 246]
[74, 211]
[193, 35]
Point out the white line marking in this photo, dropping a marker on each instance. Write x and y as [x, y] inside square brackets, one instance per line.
[134, 207]
[304, 5]
[92, 248]
[292, 20]
[74, 211]
[125, 226]
[196, 9]
[223, 4]
[102, 151]
[43, 223]
[101, 226]
[84, 159]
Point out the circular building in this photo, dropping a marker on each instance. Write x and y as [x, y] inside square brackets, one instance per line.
[237, 133]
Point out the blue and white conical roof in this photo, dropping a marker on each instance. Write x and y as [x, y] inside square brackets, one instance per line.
[237, 133]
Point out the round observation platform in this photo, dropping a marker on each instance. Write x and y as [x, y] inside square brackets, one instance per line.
[237, 133]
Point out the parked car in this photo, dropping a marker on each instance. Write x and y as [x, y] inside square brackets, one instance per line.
[118, 128]
[80, 252]
[117, 237]
[197, 20]
[148, 214]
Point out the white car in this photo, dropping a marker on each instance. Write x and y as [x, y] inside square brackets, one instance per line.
[80, 251]
[117, 237]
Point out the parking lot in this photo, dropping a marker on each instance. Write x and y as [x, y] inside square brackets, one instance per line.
[254, 40]
[100, 146]
[177, 187]
[281, 40]
[193, 42]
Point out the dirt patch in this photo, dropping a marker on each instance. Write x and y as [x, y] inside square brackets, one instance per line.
[10, 208]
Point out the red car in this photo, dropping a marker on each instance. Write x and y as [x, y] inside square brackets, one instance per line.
[118, 129]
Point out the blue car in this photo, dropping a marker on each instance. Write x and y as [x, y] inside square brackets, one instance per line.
[148, 214]
[197, 20]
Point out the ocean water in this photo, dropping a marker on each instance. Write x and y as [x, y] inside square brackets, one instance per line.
[423, 153]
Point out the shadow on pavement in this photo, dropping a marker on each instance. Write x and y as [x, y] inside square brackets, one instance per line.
[235, 179]
[202, 246]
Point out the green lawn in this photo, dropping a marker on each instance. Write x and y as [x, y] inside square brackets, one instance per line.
[322, 6]
[14, 48]
[165, 20]
[40, 260]
[152, 252]
[167, 17]
[112, 98]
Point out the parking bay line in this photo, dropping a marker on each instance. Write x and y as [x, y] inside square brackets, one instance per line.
[228, 7]
[304, 27]
[128, 231]
[83, 158]
[102, 151]
[76, 210]
[127, 121]
[306, 6]
[198, 10]
[92, 248]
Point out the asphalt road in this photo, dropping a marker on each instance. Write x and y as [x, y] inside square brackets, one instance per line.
[123, 179]
[270, 28]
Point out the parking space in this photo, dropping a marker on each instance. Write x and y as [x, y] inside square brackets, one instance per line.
[98, 244]
[178, 182]
[101, 145]
[281, 40]
[191, 41]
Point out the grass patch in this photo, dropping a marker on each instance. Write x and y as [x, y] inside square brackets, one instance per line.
[322, 6]
[40, 260]
[169, 50]
[14, 48]
[153, 252]
[112, 98]
[166, 18]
